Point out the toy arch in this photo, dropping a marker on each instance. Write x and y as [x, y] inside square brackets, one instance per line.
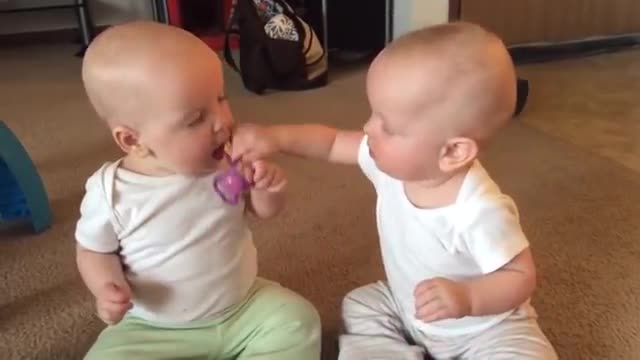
[22, 193]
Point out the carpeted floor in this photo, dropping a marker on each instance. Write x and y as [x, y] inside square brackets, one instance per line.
[572, 165]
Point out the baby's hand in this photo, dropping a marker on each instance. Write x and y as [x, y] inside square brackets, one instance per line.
[113, 302]
[268, 177]
[253, 142]
[439, 298]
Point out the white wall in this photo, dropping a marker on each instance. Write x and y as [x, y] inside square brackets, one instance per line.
[104, 12]
[413, 14]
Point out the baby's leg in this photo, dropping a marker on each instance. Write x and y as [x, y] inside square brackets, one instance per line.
[374, 328]
[274, 324]
[517, 337]
[134, 338]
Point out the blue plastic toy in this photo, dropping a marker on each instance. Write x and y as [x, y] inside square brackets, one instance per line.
[22, 193]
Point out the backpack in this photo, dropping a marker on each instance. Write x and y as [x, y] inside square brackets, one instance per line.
[278, 50]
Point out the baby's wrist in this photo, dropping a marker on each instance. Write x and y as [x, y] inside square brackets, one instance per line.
[279, 137]
[468, 298]
[97, 288]
[274, 189]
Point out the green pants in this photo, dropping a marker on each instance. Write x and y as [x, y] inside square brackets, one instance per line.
[272, 323]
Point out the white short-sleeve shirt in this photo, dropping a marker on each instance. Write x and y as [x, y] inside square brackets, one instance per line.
[476, 235]
[187, 255]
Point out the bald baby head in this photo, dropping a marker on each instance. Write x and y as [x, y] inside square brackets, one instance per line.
[132, 69]
[436, 95]
[161, 91]
[459, 72]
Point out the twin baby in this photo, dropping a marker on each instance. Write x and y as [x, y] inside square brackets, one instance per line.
[173, 268]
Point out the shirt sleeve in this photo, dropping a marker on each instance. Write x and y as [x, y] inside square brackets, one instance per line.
[94, 230]
[493, 235]
[366, 162]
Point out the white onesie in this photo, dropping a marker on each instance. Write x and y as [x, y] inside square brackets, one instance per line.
[476, 235]
[187, 254]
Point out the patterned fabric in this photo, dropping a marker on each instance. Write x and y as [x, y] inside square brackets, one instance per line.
[277, 24]
[281, 27]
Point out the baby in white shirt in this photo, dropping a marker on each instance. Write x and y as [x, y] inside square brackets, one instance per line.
[172, 266]
[459, 269]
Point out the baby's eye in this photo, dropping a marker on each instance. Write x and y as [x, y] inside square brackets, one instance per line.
[197, 121]
[222, 98]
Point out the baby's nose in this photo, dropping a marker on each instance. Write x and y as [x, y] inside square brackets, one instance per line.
[216, 126]
[367, 127]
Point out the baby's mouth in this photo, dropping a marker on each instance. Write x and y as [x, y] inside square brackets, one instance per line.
[218, 153]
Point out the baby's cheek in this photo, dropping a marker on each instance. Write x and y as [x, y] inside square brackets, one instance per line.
[187, 155]
[227, 115]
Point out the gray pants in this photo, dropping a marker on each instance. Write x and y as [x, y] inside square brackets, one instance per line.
[375, 330]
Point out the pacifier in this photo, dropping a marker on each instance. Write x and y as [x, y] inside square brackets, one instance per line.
[231, 184]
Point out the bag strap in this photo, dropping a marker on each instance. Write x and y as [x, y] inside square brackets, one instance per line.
[319, 59]
[228, 56]
[301, 29]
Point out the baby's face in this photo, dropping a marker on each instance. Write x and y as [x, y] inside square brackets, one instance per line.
[403, 136]
[191, 121]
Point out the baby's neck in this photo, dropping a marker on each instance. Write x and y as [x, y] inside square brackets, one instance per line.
[436, 193]
[143, 167]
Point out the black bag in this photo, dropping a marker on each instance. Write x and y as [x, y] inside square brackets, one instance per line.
[278, 50]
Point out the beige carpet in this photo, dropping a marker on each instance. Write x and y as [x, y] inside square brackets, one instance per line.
[592, 103]
[579, 200]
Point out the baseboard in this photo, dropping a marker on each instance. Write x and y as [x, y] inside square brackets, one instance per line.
[47, 36]
[542, 52]
[521, 54]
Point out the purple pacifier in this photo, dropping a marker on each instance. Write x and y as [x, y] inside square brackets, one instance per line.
[231, 184]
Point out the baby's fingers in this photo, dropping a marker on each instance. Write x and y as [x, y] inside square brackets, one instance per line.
[112, 312]
[278, 183]
[260, 171]
[115, 293]
[264, 181]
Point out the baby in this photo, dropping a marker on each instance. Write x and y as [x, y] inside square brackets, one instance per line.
[172, 267]
[459, 269]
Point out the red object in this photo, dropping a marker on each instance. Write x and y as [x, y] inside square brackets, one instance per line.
[215, 41]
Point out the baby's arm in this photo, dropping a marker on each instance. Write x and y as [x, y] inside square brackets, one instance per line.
[266, 205]
[252, 142]
[104, 276]
[495, 240]
[98, 270]
[96, 255]
[266, 198]
[505, 288]
[493, 293]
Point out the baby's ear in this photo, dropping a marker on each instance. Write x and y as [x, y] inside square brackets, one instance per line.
[457, 153]
[128, 140]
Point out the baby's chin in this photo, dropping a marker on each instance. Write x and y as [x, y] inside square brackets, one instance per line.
[206, 167]
[203, 170]
[213, 162]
